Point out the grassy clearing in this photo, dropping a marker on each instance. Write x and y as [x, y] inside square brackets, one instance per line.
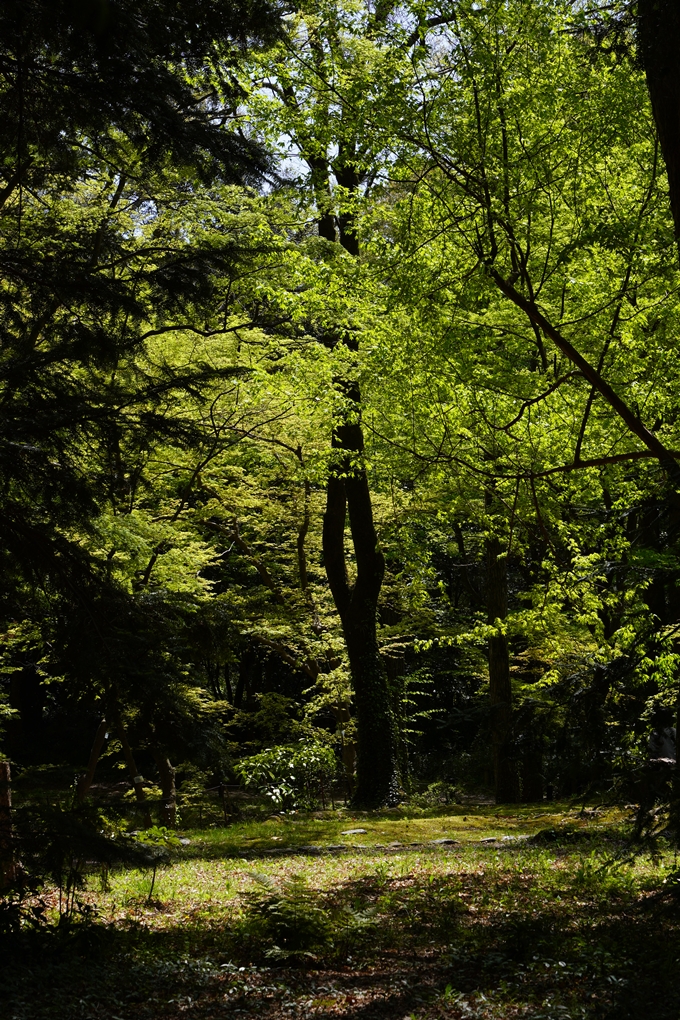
[463, 823]
[556, 926]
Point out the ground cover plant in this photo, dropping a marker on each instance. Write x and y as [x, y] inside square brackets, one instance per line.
[538, 912]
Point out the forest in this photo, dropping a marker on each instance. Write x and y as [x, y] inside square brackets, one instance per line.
[339, 509]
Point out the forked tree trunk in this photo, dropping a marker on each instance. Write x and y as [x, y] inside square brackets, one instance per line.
[348, 494]
[500, 691]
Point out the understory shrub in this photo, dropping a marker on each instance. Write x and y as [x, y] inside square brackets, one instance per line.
[299, 775]
[287, 921]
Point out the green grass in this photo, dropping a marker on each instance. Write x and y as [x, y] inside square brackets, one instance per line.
[463, 823]
[563, 926]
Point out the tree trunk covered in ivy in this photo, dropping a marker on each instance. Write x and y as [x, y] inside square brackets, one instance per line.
[348, 494]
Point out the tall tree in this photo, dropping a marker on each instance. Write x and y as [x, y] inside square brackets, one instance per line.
[494, 151]
[101, 100]
[116, 115]
[318, 89]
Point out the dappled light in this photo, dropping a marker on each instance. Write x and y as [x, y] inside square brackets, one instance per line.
[491, 925]
[339, 509]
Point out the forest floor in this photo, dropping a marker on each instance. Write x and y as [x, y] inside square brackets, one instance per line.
[465, 912]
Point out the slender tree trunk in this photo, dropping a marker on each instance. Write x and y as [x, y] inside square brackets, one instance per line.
[169, 790]
[135, 777]
[349, 748]
[8, 866]
[394, 667]
[348, 494]
[505, 778]
[227, 683]
[85, 781]
[532, 774]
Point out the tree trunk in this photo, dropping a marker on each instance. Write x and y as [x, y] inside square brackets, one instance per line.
[85, 781]
[659, 49]
[505, 778]
[348, 492]
[532, 774]
[8, 867]
[227, 683]
[167, 777]
[349, 748]
[135, 778]
[376, 766]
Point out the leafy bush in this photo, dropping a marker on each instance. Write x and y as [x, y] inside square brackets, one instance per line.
[290, 921]
[437, 794]
[291, 776]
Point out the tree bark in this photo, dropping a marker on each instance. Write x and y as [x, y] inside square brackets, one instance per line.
[349, 748]
[659, 49]
[135, 778]
[8, 866]
[168, 787]
[348, 494]
[85, 781]
[532, 773]
[348, 491]
[500, 691]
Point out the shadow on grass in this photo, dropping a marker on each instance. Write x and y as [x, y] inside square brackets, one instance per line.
[473, 945]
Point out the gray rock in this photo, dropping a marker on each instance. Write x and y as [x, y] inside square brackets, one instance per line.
[353, 832]
[444, 841]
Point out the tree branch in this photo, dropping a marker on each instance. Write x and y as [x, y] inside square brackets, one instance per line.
[654, 445]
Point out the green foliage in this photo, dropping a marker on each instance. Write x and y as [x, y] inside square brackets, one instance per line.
[172, 343]
[158, 841]
[291, 921]
[288, 919]
[292, 775]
